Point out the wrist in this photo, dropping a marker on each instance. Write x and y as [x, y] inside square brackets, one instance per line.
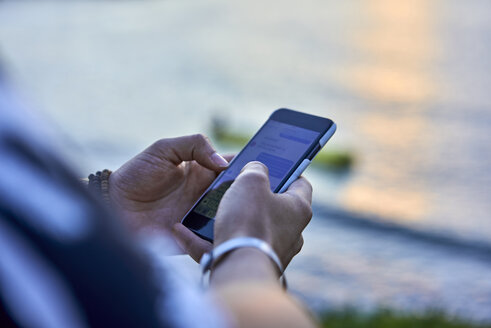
[117, 195]
[261, 231]
[242, 265]
[121, 205]
[113, 190]
[243, 259]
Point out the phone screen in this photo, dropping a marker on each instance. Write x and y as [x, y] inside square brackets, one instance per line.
[278, 145]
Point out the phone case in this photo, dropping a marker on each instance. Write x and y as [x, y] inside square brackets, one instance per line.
[306, 162]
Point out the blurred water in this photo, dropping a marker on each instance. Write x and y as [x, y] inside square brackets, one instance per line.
[342, 266]
[407, 83]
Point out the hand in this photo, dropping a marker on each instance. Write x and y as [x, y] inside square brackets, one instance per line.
[249, 208]
[246, 280]
[156, 188]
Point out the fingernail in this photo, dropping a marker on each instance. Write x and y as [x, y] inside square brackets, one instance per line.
[219, 160]
[254, 164]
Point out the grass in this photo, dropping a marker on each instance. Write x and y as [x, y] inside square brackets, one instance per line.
[350, 318]
[337, 160]
[231, 139]
[333, 160]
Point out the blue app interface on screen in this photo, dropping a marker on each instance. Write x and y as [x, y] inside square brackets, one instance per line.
[277, 145]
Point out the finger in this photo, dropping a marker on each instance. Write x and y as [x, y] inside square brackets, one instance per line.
[188, 148]
[254, 173]
[301, 188]
[190, 243]
[255, 166]
[299, 245]
[229, 157]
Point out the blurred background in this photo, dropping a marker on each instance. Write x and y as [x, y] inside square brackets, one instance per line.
[402, 204]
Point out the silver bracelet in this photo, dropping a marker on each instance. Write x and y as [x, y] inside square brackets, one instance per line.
[207, 259]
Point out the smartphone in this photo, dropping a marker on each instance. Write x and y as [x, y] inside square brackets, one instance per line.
[286, 144]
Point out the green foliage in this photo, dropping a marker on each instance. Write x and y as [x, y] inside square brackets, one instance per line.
[232, 139]
[334, 160]
[350, 318]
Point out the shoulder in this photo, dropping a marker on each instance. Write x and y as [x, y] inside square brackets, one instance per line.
[64, 253]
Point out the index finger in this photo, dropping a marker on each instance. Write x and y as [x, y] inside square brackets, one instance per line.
[195, 147]
[301, 188]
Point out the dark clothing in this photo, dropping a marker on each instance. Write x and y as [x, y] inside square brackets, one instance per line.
[63, 259]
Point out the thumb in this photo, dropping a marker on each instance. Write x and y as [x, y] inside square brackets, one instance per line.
[195, 147]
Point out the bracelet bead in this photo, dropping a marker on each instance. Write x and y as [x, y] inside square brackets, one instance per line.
[99, 184]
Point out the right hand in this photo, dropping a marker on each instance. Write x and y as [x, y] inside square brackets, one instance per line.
[245, 281]
[249, 208]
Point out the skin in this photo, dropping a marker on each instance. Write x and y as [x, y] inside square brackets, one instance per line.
[156, 188]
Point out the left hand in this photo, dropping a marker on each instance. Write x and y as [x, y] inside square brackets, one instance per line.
[157, 187]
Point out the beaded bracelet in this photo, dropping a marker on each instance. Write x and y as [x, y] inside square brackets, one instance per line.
[99, 184]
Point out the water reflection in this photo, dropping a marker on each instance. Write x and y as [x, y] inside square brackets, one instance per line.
[397, 45]
[396, 42]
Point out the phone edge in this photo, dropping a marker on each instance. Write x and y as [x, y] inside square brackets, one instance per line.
[302, 167]
[299, 170]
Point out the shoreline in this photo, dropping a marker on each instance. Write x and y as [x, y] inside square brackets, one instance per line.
[433, 237]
